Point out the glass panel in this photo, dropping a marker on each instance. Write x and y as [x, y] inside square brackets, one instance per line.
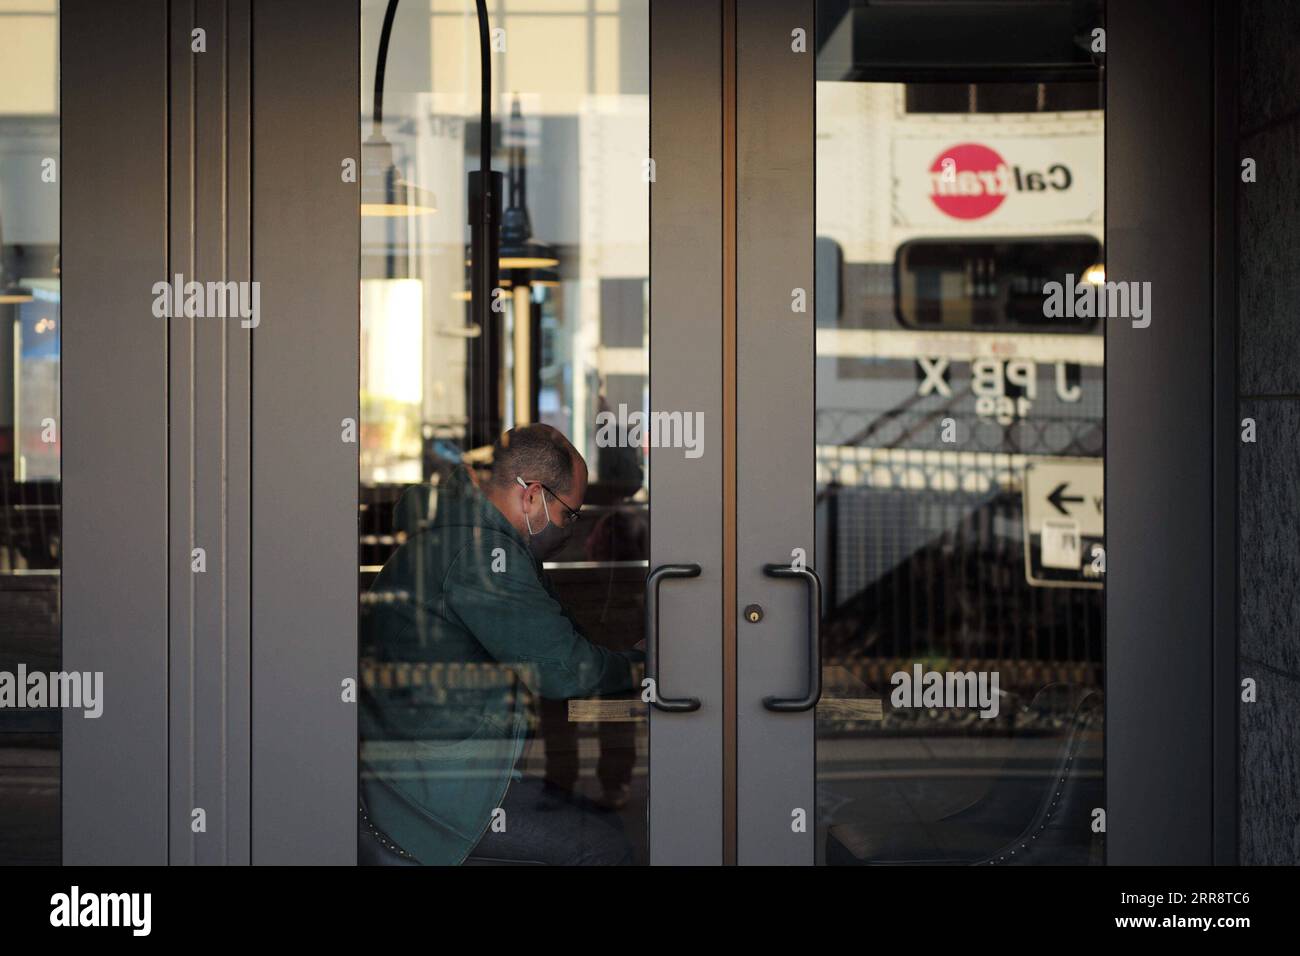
[30, 549]
[959, 443]
[500, 713]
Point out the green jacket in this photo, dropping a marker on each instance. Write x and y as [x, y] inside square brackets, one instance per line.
[460, 625]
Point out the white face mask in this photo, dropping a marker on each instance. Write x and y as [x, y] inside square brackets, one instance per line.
[550, 537]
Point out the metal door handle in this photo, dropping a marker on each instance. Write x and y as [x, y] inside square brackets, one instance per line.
[676, 705]
[808, 701]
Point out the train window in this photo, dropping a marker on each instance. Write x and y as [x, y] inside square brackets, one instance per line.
[991, 284]
[1056, 97]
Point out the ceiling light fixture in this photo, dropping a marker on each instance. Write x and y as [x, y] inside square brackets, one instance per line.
[384, 191]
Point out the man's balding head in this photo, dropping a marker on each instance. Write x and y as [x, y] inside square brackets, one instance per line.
[523, 460]
[536, 453]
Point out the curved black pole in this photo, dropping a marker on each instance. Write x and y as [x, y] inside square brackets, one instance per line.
[484, 188]
[485, 88]
[381, 63]
[487, 199]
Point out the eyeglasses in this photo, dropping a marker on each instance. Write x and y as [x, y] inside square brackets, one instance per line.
[570, 514]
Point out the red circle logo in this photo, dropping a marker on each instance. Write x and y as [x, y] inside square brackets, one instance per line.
[968, 181]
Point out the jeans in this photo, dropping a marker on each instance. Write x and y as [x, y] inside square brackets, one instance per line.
[548, 826]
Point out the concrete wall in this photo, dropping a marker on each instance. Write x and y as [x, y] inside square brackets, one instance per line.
[1268, 301]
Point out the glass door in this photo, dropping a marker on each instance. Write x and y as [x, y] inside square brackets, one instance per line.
[921, 648]
[31, 550]
[539, 437]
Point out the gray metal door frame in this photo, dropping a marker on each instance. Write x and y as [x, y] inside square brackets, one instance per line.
[116, 568]
[306, 366]
[1171, 641]
[775, 406]
[1170, 607]
[222, 669]
[223, 686]
[686, 360]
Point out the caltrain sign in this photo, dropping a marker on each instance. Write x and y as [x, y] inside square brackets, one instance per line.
[969, 180]
[1040, 181]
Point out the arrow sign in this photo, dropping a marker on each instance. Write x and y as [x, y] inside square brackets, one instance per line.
[1064, 507]
[1058, 498]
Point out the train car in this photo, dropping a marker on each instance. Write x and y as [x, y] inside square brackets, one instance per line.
[960, 428]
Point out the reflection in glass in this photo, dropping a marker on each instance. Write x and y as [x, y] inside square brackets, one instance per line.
[500, 717]
[30, 540]
[961, 720]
